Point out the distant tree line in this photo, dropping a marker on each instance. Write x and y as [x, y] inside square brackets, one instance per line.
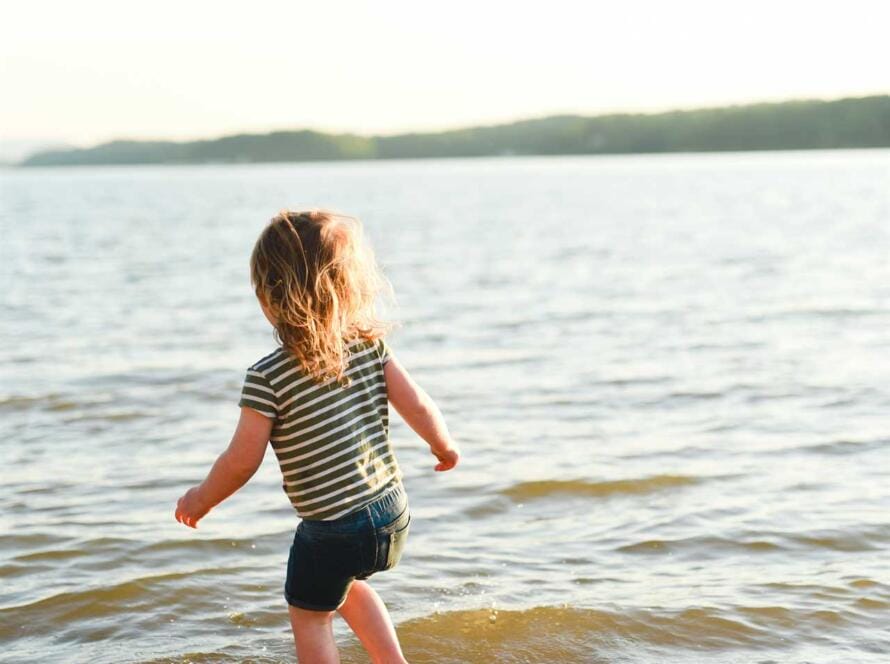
[793, 125]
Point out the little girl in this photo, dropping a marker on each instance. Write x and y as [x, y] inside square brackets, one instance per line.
[321, 398]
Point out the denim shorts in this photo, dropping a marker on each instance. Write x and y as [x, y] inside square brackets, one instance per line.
[327, 556]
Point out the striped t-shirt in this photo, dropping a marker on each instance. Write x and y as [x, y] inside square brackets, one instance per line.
[332, 442]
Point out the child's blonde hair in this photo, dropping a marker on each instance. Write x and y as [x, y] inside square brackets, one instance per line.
[319, 279]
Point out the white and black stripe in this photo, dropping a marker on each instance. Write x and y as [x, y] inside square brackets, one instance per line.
[332, 443]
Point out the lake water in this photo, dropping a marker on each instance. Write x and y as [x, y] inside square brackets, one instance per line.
[669, 375]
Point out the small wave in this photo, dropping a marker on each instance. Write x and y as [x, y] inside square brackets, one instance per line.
[16, 541]
[871, 604]
[573, 634]
[65, 608]
[636, 380]
[157, 377]
[115, 415]
[565, 634]
[221, 657]
[843, 447]
[694, 395]
[702, 546]
[153, 483]
[99, 406]
[51, 554]
[829, 312]
[51, 401]
[544, 488]
[508, 360]
[810, 590]
[707, 546]
[842, 540]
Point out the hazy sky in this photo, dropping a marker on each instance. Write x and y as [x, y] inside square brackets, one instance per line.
[92, 70]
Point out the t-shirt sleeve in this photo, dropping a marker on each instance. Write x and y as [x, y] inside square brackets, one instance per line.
[257, 393]
[385, 350]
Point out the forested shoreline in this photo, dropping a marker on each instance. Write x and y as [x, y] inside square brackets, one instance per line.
[793, 125]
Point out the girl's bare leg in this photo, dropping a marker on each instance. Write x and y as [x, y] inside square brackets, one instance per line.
[313, 636]
[366, 614]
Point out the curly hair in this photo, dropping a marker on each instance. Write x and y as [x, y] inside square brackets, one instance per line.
[319, 279]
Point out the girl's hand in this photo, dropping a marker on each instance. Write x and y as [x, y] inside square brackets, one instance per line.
[447, 458]
[191, 508]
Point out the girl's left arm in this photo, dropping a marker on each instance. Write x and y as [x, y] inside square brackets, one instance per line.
[232, 468]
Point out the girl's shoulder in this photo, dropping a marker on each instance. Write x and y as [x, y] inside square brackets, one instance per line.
[383, 349]
[271, 360]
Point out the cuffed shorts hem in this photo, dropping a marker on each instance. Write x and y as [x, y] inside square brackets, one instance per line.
[300, 604]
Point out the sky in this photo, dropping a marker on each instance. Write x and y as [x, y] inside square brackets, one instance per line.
[94, 70]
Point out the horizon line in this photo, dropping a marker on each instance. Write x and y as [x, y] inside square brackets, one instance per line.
[447, 128]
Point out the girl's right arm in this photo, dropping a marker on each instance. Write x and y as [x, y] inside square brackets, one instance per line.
[420, 413]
